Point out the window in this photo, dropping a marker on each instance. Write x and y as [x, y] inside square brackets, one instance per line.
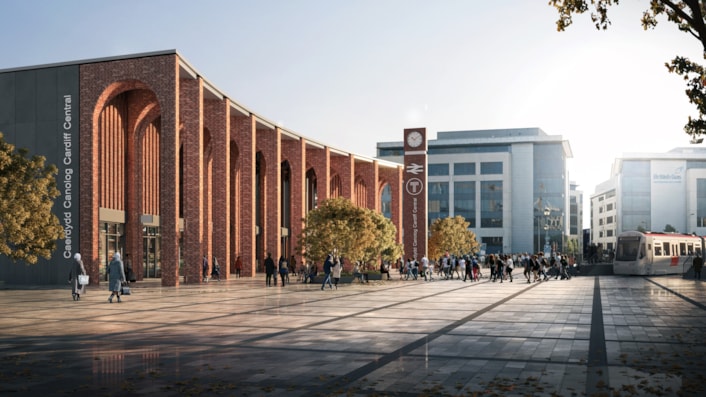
[465, 201]
[701, 202]
[491, 168]
[491, 204]
[464, 168]
[609, 207]
[438, 200]
[609, 220]
[658, 250]
[438, 169]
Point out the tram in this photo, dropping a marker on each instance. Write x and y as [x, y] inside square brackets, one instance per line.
[651, 253]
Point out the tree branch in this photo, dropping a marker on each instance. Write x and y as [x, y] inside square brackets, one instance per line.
[697, 20]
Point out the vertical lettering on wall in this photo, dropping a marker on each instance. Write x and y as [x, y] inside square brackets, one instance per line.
[67, 177]
[414, 203]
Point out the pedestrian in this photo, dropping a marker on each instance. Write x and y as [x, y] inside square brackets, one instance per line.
[328, 265]
[77, 269]
[292, 266]
[698, 263]
[336, 271]
[204, 268]
[238, 266]
[500, 266]
[385, 269]
[269, 270]
[455, 265]
[283, 270]
[509, 265]
[476, 269]
[129, 274]
[527, 266]
[534, 268]
[469, 269]
[543, 269]
[116, 277]
[490, 261]
[564, 266]
[357, 273]
[216, 271]
[425, 268]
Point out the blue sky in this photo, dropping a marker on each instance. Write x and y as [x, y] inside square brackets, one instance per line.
[350, 73]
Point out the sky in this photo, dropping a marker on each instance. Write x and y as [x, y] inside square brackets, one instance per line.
[351, 73]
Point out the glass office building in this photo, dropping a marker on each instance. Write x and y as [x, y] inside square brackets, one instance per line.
[651, 191]
[511, 185]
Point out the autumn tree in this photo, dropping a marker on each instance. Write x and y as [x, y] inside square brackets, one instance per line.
[339, 227]
[688, 15]
[453, 236]
[28, 228]
[384, 244]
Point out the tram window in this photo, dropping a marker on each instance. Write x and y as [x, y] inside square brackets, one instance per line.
[682, 249]
[690, 248]
[698, 250]
[658, 250]
[666, 248]
[627, 250]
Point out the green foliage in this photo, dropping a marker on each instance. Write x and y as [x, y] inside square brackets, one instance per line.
[670, 229]
[339, 227]
[572, 246]
[28, 228]
[687, 15]
[451, 235]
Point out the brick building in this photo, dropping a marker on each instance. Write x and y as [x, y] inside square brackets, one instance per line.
[154, 161]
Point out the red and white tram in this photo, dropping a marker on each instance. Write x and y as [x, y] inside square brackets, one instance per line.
[652, 253]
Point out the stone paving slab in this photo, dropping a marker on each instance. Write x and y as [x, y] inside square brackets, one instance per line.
[588, 336]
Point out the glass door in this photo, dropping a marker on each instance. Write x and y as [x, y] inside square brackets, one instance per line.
[151, 252]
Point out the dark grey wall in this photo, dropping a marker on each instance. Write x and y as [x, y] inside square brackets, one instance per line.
[39, 111]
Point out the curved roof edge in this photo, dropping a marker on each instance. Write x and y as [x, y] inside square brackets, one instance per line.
[187, 67]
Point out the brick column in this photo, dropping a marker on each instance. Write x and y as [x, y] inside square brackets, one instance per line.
[295, 152]
[218, 122]
[268, 145]
[244, 128]
[191, 119]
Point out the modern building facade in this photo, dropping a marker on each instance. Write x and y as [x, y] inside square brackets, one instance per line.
[651, 191]
[511, 185]
[156, 162]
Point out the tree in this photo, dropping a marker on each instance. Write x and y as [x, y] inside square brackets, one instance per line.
[688, 15]
[28, 228]
[339, 227]
[384, 245]
[670, 229]
[451, 235]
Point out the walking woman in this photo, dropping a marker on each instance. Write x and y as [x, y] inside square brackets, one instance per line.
[77, 269]
[116, 277]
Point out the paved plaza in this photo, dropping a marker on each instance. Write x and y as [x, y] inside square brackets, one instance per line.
[588, 336]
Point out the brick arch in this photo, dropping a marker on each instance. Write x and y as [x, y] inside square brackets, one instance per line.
[123, 112]
[360, 192]
[235, 204]
[336, 186]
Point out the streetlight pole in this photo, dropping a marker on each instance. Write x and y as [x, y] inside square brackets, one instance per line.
[547, 247]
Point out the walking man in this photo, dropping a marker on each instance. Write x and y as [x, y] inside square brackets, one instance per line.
[328, 265]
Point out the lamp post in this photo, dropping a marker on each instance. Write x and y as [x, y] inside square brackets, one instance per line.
[547, 246]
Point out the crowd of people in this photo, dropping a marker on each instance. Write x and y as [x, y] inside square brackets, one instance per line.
[496, 267]
[501, 267]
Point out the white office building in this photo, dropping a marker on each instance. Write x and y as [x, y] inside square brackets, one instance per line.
[651, 191]
[511, 185]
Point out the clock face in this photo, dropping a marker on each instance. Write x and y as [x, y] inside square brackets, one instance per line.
[414, 139]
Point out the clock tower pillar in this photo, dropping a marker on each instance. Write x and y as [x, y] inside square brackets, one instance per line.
[414, 198]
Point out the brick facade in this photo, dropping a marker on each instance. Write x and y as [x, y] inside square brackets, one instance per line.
[195, 160]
